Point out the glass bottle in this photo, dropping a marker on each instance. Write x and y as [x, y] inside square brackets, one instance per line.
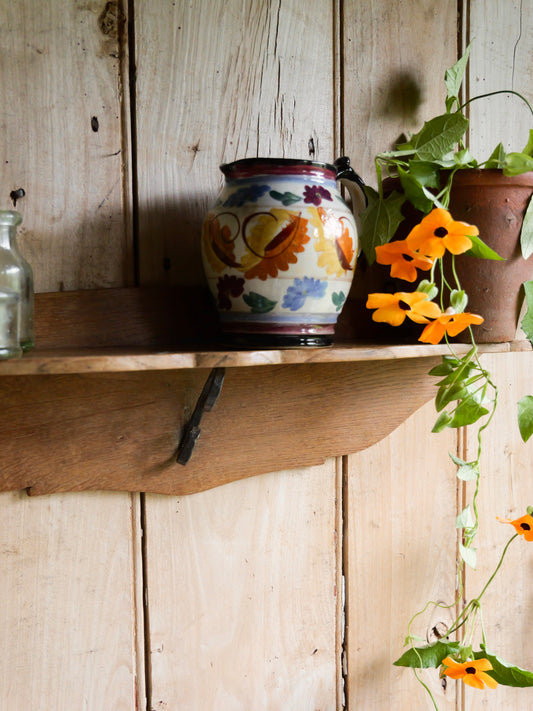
[16, 275]
[9, 326]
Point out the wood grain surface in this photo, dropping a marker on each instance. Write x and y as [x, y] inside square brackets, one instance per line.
[122, 431]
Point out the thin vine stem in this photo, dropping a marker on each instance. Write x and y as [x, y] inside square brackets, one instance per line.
[494, 93]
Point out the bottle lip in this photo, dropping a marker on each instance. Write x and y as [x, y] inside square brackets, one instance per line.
[10, 217]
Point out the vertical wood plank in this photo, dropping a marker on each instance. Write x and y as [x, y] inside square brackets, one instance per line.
[62, 141]
[502, 35]
[400, 499]
[241, 579]
[236, 79]
[394, 58]
[506, 490]
[67, 635]
[242, 595]
[69, 569]
[500, 58]
[400, 495]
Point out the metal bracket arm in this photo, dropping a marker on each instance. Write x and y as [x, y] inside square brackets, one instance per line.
[206, 402]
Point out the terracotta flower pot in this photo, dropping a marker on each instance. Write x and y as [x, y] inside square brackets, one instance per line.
[496, 204]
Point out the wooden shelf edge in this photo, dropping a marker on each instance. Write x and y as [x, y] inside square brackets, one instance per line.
[131, 359]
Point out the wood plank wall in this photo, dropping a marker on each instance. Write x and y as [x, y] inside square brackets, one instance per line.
[288, 591]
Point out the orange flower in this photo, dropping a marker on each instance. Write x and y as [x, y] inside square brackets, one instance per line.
[451, 323]
[471, 672]
[438, 232]
[393, 308]
[523, 525]
[402, 260]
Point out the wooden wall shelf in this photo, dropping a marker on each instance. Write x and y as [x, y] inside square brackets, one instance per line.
[111, 418]
[63, 361]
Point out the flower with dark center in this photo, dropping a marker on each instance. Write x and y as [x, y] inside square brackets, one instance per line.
[438, 232]
[394, 308]
[403, 261]
[523, 525]
[472, 672]
[448, 323]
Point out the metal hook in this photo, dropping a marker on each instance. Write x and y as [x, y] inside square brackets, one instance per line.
[206, 402]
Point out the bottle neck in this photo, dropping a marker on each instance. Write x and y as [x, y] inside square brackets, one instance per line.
[8, 237]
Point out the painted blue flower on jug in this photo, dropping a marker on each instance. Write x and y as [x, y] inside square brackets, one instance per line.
[296, 294]
[251, 193]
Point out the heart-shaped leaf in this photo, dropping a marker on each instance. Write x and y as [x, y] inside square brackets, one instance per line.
[525, 417]
[428, 656]
[504, 673]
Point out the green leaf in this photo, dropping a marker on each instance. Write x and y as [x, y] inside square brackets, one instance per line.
[525, 417]
[468, 472]
[468, 412]
[461, 370]
[527, 321]
[450, 393]
[379, 220]
[517, 163]
[456, 460]
[481, 250]
[415, 192]
[528, 150]
[465, 518]
[526, 234]
[439, 136]
[403, 151]
[504, 673]
[449, 363]
[258, 304]
[464, 159]
[427, 173]
[469, 555]
[497, 158]
[453, 78]
[443, 421]
[428, 656]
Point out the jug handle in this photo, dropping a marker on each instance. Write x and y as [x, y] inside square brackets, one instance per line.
[347, 176]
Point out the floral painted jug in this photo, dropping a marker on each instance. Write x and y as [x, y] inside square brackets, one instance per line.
[279, 249]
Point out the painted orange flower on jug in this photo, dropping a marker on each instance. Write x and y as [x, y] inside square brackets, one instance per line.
[333, 241]
[273, 240]
[218, 241]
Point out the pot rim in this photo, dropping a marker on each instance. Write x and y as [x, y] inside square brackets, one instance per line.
[489, 176]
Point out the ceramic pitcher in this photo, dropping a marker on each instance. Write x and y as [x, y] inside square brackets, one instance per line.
[279, 249]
